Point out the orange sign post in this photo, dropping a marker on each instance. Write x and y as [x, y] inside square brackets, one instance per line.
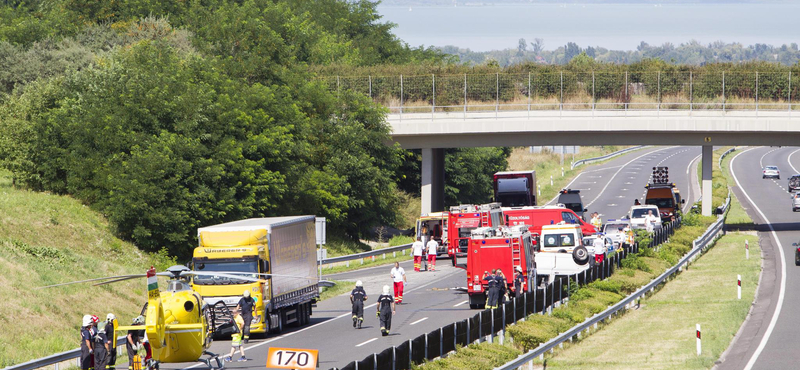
[292, 358]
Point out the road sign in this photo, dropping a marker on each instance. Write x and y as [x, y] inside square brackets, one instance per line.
[292, 358]
[321, 232]
[707, 139]
[660, 175]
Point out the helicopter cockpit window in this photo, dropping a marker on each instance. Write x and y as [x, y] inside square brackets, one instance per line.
[223, 266]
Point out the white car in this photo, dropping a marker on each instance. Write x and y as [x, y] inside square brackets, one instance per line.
[771, 171]
[638, 213]
[615, 230]
[608, 246]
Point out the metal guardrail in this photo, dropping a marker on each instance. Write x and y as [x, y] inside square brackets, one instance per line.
[56, 359]
[721, 157]
[607, 156]
[376, 252]
[699, 245]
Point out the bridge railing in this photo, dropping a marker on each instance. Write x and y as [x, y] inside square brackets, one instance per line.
[422, 97]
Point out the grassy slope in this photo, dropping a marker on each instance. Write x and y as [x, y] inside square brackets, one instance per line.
[664, 327]
[47, 239]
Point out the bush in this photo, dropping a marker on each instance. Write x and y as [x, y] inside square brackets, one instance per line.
[575, 313]
[634, 262]
[536, 330]
[400, 240]
[609, 285]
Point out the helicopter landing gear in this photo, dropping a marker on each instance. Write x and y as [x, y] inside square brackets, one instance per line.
[211, 357]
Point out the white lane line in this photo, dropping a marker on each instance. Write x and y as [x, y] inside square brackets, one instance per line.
[618, 171]
[459, 304]
[782, 292]
[371, 340]
[312, 326]
[419, 321]
[761, 160]
[789, 159]
[690, 163]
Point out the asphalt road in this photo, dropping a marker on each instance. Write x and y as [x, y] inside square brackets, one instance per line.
[430, 300]
[768, 339]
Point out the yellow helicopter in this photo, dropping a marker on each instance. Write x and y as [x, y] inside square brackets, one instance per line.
[179, 324]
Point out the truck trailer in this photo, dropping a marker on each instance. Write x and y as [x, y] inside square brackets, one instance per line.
[281, 250]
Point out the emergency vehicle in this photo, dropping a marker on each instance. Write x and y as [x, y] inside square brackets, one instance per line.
[536, 217]
[434, 225]
[499, 247]
[467, 217]
[663, 194]
[515, 188]
[561, 252]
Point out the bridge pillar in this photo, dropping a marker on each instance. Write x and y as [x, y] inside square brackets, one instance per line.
[708, 154]
[432, 180]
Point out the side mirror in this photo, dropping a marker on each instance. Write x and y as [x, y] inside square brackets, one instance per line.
[683, 201]
[507, 220]
[585, 210]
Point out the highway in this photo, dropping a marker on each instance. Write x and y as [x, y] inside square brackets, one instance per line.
[430, 300]
[768, 339]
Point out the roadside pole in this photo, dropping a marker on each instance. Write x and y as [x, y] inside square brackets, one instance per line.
[321, 233]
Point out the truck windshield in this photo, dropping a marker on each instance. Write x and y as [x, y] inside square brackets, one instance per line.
[660, 202]
[224, 266]
[641, 212]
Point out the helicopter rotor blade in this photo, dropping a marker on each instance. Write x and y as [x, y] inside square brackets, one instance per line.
[225, 275]
[278, 275]
[117, 280]
[95, 279]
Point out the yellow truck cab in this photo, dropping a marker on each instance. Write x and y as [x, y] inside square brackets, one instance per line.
[283, 246]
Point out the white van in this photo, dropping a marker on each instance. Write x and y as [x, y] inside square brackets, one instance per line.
[637, 214]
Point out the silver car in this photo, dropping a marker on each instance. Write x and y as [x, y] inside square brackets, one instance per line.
[795, 202]
[771, 171]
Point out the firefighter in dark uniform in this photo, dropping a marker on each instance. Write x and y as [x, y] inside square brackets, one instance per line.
[246, 306]
[357, 298]
[111, 341]
[502, 284]
[385, 310]
[492, 289]
[100, 349]
[518, 280]
[132, 340]
[86, 343]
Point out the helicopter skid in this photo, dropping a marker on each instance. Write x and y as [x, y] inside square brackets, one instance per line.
[212, 357]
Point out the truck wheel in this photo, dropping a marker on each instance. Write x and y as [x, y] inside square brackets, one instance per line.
[580, 255]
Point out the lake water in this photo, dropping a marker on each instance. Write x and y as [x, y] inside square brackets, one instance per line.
[613, 26]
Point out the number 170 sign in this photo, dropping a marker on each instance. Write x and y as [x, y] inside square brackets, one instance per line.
[292, 358]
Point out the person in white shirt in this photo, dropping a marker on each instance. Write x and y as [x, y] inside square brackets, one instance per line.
[650, 221]
[433, 248]
[416, 251]
[599, 247]
[398, 277]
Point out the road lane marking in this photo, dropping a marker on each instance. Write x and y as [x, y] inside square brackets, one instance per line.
[782, 291]
[417, 322]
[459, 304]
[761, 161]
[371, 340]
[617, 173]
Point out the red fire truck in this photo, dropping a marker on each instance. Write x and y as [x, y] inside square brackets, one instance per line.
[499, 248]
[467, 217]
[536, 217]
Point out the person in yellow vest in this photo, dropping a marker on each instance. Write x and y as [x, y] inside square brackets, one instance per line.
[596, 221]
[236, 337]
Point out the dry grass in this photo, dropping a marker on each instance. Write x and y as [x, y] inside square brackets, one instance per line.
[47, 239]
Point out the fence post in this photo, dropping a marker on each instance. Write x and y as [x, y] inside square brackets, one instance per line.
[627, 98]
[594, 99]
[497, 94]
[756, 93]
[529, 91]
[401, 97]
[433, 98]
[465, 96]
[561, 101]
[426, 346]
[480, 327]
[503, 330]
[468, 342]
[659, 92]
[441, 341]
[691, 91]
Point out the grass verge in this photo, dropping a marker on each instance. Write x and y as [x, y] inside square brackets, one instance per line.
[664, 327]
[341, 287]
[47, 239]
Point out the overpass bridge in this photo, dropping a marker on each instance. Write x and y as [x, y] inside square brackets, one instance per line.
[684, 108]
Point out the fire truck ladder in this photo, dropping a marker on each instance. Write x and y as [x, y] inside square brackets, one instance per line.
[516, 252]
[484, 219]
